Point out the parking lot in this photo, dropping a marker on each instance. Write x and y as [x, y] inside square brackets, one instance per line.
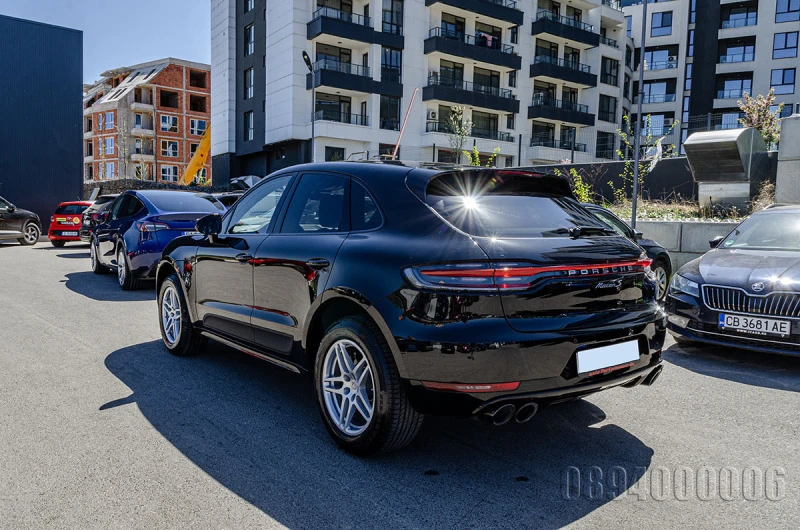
[100, 427]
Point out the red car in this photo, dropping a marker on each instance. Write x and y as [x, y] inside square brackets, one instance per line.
[65, 224]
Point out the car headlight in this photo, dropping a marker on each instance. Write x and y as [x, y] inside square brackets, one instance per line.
[682, 285]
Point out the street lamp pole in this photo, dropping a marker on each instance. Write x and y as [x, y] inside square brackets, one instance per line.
[636, 126]
[310, 67]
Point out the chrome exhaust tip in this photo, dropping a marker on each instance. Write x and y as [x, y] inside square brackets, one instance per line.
[501, 415]
[526, 412]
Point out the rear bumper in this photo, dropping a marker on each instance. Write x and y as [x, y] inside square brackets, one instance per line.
[57, 233]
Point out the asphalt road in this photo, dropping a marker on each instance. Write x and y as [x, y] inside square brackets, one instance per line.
[101, 428]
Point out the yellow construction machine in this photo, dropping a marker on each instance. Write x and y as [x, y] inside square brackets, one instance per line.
[198, 161]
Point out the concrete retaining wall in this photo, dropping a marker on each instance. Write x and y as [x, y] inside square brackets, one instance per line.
[685, 240]
[120, 185]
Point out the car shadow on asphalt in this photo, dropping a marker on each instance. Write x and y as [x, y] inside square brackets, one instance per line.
[105, 288]
[256, 430]
[81, 246]
[75, 255]
[781, 372]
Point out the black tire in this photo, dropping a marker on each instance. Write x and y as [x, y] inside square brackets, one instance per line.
[189, 341]
[394, 422]
[58, 244]
[124, 277]
[94, 262]
[32, 233]
[659, 267]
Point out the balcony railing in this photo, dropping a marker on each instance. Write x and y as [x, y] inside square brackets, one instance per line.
[341, 117]
[656, 98]
[566, 63]
[660, 65]
[484, 41]
[731, 93]
[353, 18]
[606, 115]
[388, 26]
[339, 66]
[567, 21]
[737, 58]
[506, 3]
[609, 42]
[613, 4]
[475, 132]
[544, 100]
[390, 74]
[739, 22]
[556, 144]
[468, 86]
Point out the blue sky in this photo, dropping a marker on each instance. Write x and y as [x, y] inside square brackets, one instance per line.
[124, 32]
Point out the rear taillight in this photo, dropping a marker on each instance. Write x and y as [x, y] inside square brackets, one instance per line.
[472, 388]
[510, 276]
[52, 218]
[147, 226]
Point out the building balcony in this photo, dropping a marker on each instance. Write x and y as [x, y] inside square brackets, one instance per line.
[739, 22]
[556, 110]
[143, 107]
[142, 131]
[655, 98]
[737, 58]
[347, 25]
[555, 69]
[87, 134]
[655, 66]
[88, 158]
[553, 150]
[609, 42]
[349, 76]
[613, 4]
[478, 48]
[341, 117]
[573, 30]
[143, 156]
[470, 94]
[733, 93]
[488, 134]
[505, 10]
[87, 111]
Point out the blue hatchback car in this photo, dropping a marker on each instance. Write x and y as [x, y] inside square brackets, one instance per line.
[135, 229]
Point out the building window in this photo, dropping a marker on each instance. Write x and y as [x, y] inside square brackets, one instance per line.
[391, 65]
[784, 45]
[782, 80]
[514, 35]
[661, 24]
[169, 173]
[510, 125]
[109, 119]
[609, 71]
[628, 25]
[89, 148]
[249, 128]
[608, 109]
[110, 170]
[169, 148]
[249, 83]
[334, 154]
[626, 90]
[629, 57]
[197, 103]
[109, 147]
[169, 123]
[89, 172]
[249, 5]
[137, 121]
[168, 98]
[605, 145]
[390, 113]
[197, 127]
[692, 11]
[685, 114]
[690, 41]
[193, 148]
[249, 40]
[391, 16]
[197, 79]
[787, 11]
[687, 82]
[512, 79]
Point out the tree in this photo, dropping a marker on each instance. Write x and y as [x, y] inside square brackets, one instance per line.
[457, 130]
[652, 147]
[474, 157]
[758, 114]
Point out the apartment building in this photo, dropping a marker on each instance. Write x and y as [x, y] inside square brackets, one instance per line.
[701, 56]
[146, 121]
[540, 82]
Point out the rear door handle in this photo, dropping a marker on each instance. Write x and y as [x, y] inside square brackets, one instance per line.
[318, 263]
[243, 258]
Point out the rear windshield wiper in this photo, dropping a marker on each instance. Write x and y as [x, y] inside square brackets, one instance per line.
[579, 231]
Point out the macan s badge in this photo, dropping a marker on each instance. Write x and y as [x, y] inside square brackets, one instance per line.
[614, 284]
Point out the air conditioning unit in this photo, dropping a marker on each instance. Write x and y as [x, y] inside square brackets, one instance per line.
[672, 59]
[432, 115]
[668, 122]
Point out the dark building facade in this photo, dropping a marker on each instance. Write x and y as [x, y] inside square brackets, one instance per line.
[41, 89]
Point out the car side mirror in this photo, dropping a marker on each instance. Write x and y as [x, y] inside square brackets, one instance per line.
[714, 242]
[10, 208]
[209, 225]
[104, 217]
[637, 234]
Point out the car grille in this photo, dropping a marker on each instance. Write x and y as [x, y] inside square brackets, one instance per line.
[732, 299]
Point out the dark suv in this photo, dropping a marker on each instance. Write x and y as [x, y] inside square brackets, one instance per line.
[22, 225]
[407, 291]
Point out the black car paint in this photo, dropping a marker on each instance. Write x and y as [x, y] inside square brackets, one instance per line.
[13, 220]
[91, 217]
[433, 336]
[779, 270]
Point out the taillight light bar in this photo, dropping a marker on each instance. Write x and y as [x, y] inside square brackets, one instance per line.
[472, 388]
[148, 226]
[511, 276]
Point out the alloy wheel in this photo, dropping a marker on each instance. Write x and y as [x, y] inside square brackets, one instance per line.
[93, 257]
[171, 315]
[348, 387]
[661, 282]
[121, 273]
[31, 234]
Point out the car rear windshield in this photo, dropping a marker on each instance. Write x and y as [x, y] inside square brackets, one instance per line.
[185, 202]
[488, 204]
[768, 231]
[71, 209]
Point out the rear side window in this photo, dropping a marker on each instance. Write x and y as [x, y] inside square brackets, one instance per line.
[364, 212]
[487, 204]
[185, 202]
[71, 209]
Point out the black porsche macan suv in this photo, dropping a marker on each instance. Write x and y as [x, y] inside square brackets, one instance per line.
[480, 292]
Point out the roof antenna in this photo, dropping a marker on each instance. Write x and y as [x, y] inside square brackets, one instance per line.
[405, 120]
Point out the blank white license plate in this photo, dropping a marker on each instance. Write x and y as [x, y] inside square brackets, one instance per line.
[614, 355]
[756, 325]
[192, 233]
[65, 234]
